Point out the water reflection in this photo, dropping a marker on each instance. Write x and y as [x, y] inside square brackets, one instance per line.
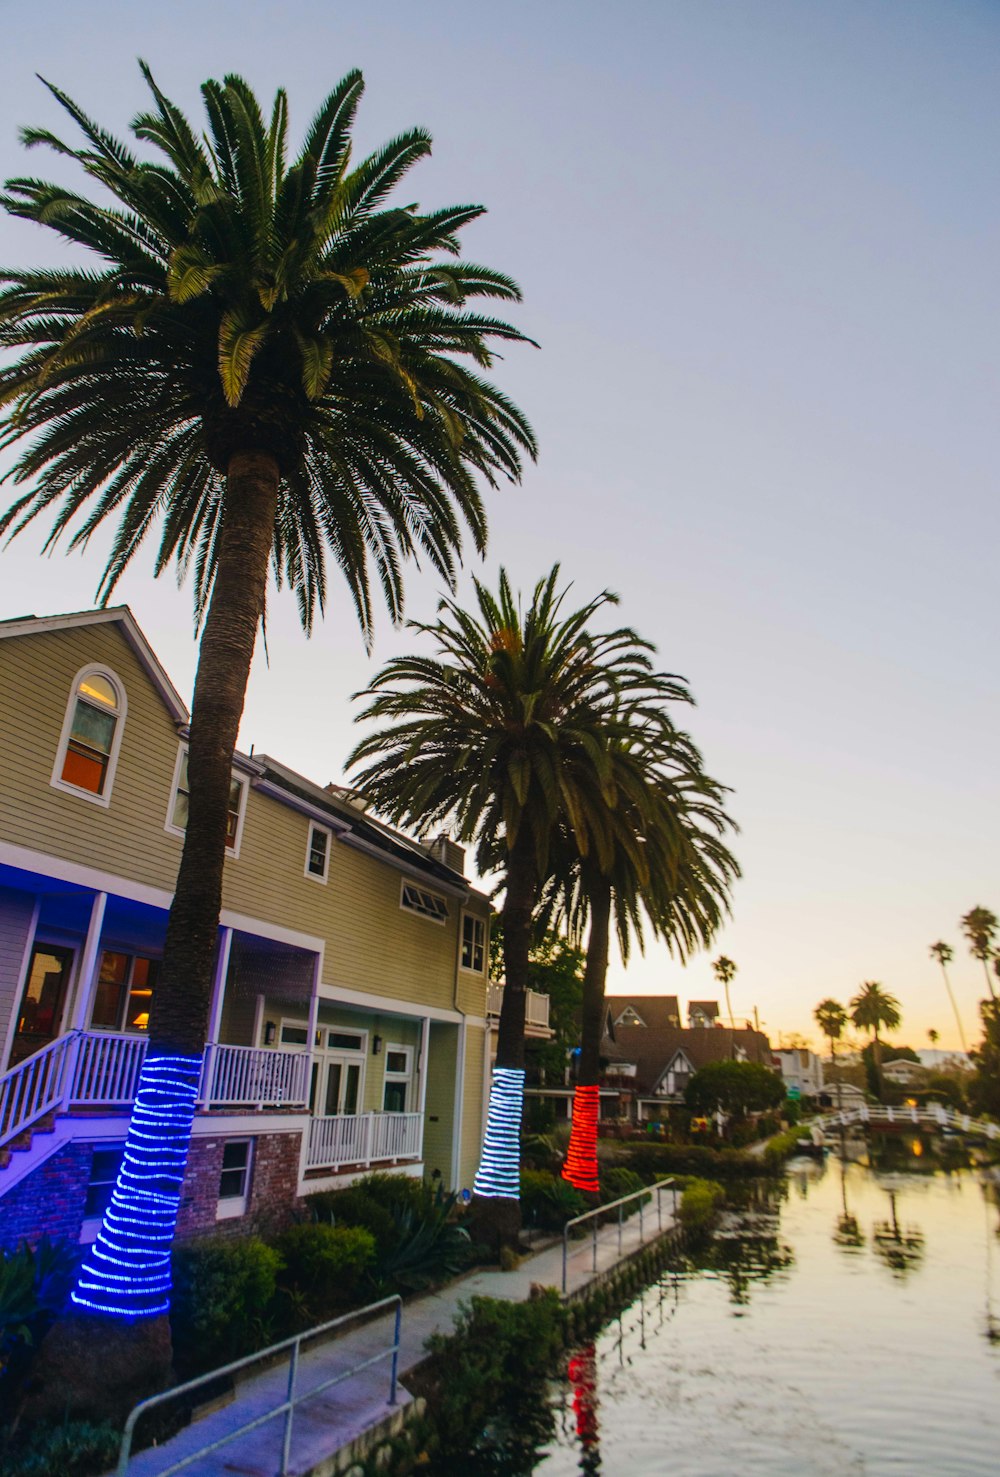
[745, 1358]
[900, 1247]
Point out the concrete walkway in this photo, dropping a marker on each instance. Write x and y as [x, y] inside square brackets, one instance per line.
[329, 1421]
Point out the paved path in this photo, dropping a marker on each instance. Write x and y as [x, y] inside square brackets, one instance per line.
[330, 1420]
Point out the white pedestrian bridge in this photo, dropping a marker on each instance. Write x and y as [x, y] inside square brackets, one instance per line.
[930, 1115]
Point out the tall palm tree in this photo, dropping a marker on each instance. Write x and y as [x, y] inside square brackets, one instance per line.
[503, 737]
[980, 928]
[831, 1017]
[665, 860]
[944, 954]
[724, 969]
[281, 368]
[933, 1036]
[872, 1009]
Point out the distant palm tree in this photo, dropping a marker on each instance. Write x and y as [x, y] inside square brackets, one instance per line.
[282, 368]
[980, 928]
[933, 1036]
[724, 970]
[944, 954]
[872, 1009]
[831, 1017]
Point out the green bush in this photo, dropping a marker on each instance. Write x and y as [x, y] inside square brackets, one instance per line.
[223, 1292]
[618, 1180]
[430, 1248]
[548, 1201]
[657, 1161]
[399, 1192]
[699, 1207]
[74, 1449]
[324, 1266]
[356, 1207]
[781, 1147]
[34, 1285]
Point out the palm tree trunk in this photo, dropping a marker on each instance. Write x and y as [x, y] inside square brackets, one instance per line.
[497, 1186]
[580, 1168]
[126, 1273]
[989, 982]
[954, 1006]
[877, 1058]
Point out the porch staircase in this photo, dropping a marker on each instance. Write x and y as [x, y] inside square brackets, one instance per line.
[23, 1154]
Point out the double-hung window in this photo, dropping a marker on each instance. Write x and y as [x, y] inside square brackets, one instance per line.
[234, 1178]
[398, 1077]
[124, 992]
[177, 816]
[473, 943]
[91, 736]
[318, 853]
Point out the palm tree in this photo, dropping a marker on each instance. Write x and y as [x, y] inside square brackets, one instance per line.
[980, 928]
[933, 1036]
[503, 737]
[831, 1017]
[724, 969]
[944, 954]
[871, 1009]
[280, 368]
[663, 856]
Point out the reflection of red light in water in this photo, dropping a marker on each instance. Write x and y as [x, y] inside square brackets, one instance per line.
[582, 1372]
[581, 1157]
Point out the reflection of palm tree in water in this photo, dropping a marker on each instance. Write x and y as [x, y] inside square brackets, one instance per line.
[582, 1373]
[992, 1319]
[901, 1247]
[848, 1233]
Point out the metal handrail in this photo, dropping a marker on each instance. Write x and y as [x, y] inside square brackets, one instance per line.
[600, 1210]
[287, 1406]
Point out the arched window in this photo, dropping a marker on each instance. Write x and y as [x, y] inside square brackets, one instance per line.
[91, 736]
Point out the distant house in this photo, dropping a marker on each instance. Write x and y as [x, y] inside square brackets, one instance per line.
[651, 1012]
[904, 1073]
[801, 1069]
[841, 1095]
[703, 1014]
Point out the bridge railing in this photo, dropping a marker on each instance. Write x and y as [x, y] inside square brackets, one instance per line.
[935, 1113]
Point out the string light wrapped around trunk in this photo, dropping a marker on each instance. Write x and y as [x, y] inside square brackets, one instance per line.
[126, 1273]
[580, 1168]
[499, 1173]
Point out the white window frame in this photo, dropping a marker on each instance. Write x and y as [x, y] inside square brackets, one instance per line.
[474, 919]
[405, 1077]
[241, 779]
[314, 826]
[299, 1025]
[92, 669]
[131, 954]
[90, 1225]
[228, 1208]
[417, 887]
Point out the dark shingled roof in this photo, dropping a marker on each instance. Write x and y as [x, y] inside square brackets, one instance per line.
[658, 1012]
[652, 1051]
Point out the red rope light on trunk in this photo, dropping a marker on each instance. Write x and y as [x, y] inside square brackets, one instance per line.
[580, 1168]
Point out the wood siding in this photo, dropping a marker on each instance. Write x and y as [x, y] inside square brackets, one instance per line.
[16, 912]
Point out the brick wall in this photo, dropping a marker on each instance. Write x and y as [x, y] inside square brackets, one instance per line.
[272, 1201]
[51, 1199]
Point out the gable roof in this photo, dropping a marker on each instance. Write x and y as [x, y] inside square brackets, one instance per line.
[657, 1012]
[120, 615]
[653, 1051]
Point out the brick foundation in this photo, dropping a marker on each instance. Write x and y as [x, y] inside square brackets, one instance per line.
[51, 1199]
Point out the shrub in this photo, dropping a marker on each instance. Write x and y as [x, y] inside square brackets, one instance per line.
[618, 1180]
[223, 1291]
[548, 1201]
[324, 1265]
[781, 1147]
[74, 1449]
[34, 1285]
[356, 1207]
[699, 1207]
[430, 1247]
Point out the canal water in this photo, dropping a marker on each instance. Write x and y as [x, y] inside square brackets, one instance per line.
[848, 1323]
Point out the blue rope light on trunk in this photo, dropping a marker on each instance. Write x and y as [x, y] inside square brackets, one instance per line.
[499, 1173]
[126, 1273]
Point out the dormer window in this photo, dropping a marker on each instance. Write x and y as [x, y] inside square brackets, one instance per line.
[630, 1017]
[91, 736]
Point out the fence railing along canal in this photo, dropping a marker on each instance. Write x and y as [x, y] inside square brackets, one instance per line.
[604, 1211]
[293, 1395]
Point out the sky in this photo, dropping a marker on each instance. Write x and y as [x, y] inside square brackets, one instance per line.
[758, 247]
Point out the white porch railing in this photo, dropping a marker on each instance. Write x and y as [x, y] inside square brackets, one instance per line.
[536, 1006]
[363, 1138]
[253, 1076]
[102, 1067]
